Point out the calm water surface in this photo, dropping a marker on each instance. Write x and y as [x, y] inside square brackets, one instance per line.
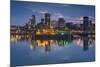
[27, 51]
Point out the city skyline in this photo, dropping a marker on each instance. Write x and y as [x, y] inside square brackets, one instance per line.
[50, 33]
[22, 11]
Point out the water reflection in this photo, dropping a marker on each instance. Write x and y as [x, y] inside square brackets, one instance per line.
[82, 41]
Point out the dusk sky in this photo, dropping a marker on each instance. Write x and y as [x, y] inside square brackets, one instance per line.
[22, 11]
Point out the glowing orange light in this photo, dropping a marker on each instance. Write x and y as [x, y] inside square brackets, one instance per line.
[38, 42]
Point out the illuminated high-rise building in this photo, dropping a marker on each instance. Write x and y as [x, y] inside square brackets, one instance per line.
[31, 23]
[33, 20]
[61, 23]
[47, 19]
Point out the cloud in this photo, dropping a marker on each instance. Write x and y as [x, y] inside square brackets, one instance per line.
[59, 15]
[43, 12]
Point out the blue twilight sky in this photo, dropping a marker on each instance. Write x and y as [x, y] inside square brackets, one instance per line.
[21, 12]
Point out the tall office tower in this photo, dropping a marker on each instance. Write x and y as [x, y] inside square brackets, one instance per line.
[61, 23]
[47, 19]
[33, 21]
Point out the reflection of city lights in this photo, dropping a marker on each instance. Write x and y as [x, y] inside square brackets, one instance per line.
[63, 42]
[31, 46]
[46, 42]
[38, 42]
[27, 36]
[16, 36]
[51, 41]
[78, 42]
[42, 43]
[62, 33]
[13, 39]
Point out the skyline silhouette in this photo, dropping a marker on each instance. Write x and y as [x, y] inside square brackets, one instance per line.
[21, 11]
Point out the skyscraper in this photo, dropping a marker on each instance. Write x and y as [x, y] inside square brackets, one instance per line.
[61, 23]
[47, 19]
[33, 20]
[85, 23]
